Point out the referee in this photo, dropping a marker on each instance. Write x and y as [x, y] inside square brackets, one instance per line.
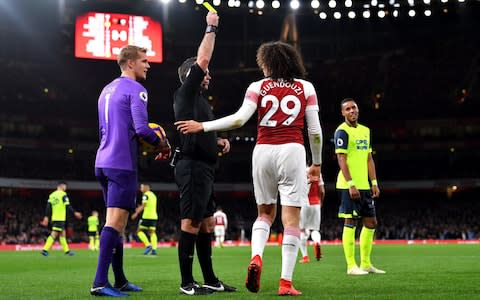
[194, 170]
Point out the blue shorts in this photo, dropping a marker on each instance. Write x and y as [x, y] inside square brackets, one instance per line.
[119, 187]
[58, 226]
[349, 209]
[147, 223]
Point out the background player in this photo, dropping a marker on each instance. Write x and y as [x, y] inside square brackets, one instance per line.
[221, 224]
[149, 219]
[123, 117]
[354, 155]
[93, 235]
[279, 157]
[310, 219]
[57, 206]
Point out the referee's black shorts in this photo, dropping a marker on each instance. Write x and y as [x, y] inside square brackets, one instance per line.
[195, 179]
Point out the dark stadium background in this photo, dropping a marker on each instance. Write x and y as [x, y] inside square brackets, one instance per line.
[416, 79]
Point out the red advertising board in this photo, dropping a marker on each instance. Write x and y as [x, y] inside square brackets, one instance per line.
[102, 35]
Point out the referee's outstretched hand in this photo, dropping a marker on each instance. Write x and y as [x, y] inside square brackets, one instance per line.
[189, 126]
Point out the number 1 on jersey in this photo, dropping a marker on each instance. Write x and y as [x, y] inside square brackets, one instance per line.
[107, 101]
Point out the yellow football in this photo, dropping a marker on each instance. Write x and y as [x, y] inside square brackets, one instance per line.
[146, 147]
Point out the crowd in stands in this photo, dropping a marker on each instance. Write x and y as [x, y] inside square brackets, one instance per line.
[20, 221]
[413, 215]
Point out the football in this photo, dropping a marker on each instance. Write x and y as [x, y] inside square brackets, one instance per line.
[146, 147]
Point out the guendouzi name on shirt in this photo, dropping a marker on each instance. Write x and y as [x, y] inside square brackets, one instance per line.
[281, 84]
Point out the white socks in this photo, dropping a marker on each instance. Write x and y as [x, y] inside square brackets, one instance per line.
[291, 241]
[303, 242]
[316, 237]
[290, 245]
[260, 234]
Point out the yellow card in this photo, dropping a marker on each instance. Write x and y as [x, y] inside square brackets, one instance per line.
[209, 7]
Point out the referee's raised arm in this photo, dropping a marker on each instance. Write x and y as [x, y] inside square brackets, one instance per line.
[194, 70]
[205, 51]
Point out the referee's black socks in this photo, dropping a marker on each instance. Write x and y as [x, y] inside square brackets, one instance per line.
[186, 245]
[204, 253]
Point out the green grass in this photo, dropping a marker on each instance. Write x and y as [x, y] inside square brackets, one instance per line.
[413, 271]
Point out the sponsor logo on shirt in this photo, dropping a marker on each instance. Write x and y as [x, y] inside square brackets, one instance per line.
[362, 144]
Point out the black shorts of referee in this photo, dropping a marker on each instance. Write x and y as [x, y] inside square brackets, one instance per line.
[195, 179]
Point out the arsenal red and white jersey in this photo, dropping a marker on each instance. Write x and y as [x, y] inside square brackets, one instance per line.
[313, 196]
[220, 218]
[281, 109]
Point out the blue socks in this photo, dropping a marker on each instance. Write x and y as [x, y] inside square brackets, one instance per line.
[111, 252]
[117, 264]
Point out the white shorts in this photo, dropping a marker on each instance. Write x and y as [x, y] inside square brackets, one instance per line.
[280, 169]
[310, 217]
[219, 230]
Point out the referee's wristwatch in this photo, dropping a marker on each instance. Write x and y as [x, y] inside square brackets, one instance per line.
[211, 28]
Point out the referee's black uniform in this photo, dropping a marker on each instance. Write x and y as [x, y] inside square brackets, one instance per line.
[194, 171]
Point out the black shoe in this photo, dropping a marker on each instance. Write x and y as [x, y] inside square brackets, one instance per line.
[220, 287]
[193, 289]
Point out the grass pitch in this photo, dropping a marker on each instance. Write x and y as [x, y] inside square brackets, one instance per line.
[413, 272]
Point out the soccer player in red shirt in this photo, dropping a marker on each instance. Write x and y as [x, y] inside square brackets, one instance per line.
[221, 223]
[310, 219]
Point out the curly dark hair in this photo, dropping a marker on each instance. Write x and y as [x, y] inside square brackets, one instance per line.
[281, 61]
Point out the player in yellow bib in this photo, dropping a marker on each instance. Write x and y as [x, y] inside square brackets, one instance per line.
[57, 206]
[354, 155]
[149, 219]
[93, 235]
